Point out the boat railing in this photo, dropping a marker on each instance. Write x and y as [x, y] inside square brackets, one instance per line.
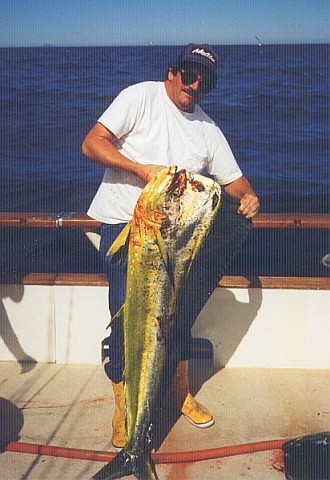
[89, 225]
[82, 220]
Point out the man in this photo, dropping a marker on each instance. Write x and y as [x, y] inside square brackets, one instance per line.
[149, 126]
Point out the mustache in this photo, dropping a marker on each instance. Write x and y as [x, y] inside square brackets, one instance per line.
[193, 93]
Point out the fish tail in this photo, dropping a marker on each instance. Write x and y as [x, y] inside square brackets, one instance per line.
[128, 463]
[147, 470]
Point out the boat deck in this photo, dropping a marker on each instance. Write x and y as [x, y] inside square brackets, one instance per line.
[71, 406]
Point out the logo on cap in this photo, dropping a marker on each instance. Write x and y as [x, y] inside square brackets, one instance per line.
[201, 51]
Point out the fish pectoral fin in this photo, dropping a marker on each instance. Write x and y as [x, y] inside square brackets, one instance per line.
[165, 257]
[162, 248]
[119, 248]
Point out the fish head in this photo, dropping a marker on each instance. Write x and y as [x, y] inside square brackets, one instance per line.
[160, 197]
[175, 196]
[199, 200]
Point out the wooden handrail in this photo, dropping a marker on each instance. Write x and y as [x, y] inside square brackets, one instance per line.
[292, 220]
[82, 220]
[47, 220]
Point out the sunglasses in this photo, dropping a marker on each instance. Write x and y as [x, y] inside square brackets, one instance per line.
[188, 77]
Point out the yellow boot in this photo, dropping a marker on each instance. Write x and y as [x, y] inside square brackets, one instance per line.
[193, 411]
[119, 437]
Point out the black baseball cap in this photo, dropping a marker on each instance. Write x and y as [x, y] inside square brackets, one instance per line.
[201, 54]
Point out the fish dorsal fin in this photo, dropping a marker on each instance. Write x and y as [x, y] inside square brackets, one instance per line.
[119, 248]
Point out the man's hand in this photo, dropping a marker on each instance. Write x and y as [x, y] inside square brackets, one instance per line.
[249, 205]
[147, 172]
[242, 191]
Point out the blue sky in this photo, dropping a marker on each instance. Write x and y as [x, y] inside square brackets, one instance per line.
[165, 22]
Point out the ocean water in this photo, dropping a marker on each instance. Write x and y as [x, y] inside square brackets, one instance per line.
[272, 103]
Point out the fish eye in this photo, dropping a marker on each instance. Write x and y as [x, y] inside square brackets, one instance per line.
[200, 187]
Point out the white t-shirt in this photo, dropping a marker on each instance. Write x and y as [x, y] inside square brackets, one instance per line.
[152, 130]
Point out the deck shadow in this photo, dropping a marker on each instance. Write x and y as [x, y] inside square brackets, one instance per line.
[11, 423]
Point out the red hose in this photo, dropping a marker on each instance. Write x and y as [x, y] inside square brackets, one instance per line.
[173, 457]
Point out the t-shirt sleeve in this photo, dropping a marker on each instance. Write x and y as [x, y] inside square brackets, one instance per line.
[121, 116]
[222, 165]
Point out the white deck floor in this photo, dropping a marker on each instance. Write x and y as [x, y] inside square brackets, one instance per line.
[72, 405]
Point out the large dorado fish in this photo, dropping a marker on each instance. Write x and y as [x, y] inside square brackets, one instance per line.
[170, 222]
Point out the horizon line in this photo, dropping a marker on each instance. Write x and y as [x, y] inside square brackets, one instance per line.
[50, 45]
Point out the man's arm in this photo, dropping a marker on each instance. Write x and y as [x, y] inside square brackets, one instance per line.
[242, 191]
[99, 146]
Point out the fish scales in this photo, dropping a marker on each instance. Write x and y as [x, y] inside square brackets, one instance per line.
[171, 220]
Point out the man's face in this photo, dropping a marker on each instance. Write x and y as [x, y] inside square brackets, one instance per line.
[186, 87]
